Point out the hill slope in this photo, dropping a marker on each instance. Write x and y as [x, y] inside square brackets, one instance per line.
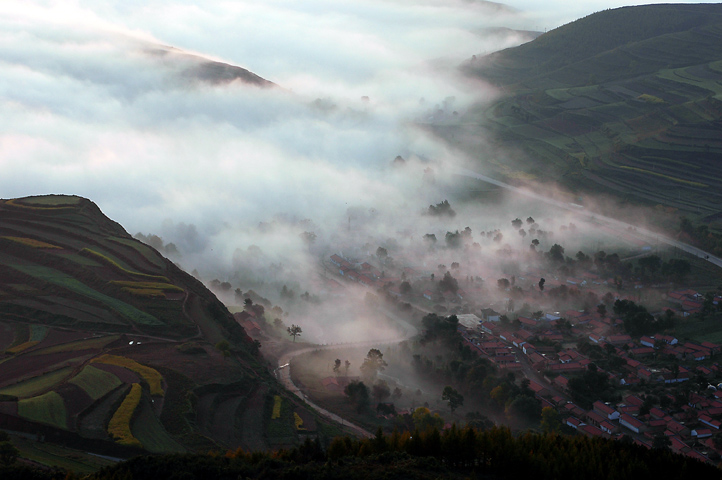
[107, 346]
[626, 100]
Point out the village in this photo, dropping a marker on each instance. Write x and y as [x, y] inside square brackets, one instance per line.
[665, 389]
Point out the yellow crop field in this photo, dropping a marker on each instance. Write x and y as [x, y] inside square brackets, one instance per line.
[31, 242]
[299, 421]
[149, 374]
[276, 408]
[109, 261]
[21, 347]
[674, 179]
[119, 425]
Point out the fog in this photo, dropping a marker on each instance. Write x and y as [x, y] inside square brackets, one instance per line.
[104, 100]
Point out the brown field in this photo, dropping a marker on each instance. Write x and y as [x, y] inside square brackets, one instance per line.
[27, 366]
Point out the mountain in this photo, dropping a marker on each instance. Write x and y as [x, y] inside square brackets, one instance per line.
[107, 346]
[627, 101]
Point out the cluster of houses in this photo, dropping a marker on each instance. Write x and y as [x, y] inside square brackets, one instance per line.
[689, 429]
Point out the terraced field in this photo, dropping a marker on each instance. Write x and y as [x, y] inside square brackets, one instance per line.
[90, 317]
[641, 118]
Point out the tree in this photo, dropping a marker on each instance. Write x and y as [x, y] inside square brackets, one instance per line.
[430, 239]
[602, 310]
[550, 420]
[373, 363]
[337, 366]
[294, 331]
[448, 283]
[453, 398]
[405, 288]
[542, 281]
[556, 253]
[358, 394]
[424, 420]
[346, 366]
[380, 391]
[516, 223]
[530, 221]
[381, 254]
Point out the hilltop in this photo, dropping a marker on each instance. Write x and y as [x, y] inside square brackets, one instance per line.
[107, 346]
[626, 101]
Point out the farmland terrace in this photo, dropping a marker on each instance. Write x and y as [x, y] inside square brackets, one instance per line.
[632, 107]
[108, 347]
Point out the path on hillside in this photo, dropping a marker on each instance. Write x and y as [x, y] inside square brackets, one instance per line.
[580, 211]
[283, 372]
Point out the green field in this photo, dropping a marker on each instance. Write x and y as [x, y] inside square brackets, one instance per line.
[66, 281]
[150, 432]
[48, 408]
[35, 385]
[95, 382]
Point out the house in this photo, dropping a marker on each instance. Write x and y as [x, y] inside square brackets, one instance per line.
[608, 428]
[678, 429]
[562, 381]
[538, 389]
[647, 341]
[702, 433]
[605, 410]
[591, 431]
[707, 420]
[632, 423]
[574, 422]
[594, 418]
[491, 315]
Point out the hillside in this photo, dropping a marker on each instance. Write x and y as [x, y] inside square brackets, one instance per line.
[109, 347]
[625, 101]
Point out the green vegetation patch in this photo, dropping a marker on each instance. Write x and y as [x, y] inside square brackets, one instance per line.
[19, 348]
[96, 382]
[35, 385]
[38, 332]
[48, 408]
[148, 430]
[61, 279]
[50, 200]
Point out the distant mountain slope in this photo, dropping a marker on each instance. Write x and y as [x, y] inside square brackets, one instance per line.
[107, 346]
[627, 101]
[204, 70]
[593, 35]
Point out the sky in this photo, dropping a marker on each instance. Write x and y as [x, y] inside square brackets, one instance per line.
[96, 100]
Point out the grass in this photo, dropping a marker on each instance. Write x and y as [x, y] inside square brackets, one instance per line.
[48, 408]
[119, 425]
[150, 375]
[95, 382]
[38, 332]
[61, 279]
[281, 430]
[31, 242]
[109, 261]
[147, 289]
[35, 385]
[52, 200]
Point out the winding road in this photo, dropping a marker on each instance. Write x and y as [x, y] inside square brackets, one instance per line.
[582, 212]
[283, 372]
